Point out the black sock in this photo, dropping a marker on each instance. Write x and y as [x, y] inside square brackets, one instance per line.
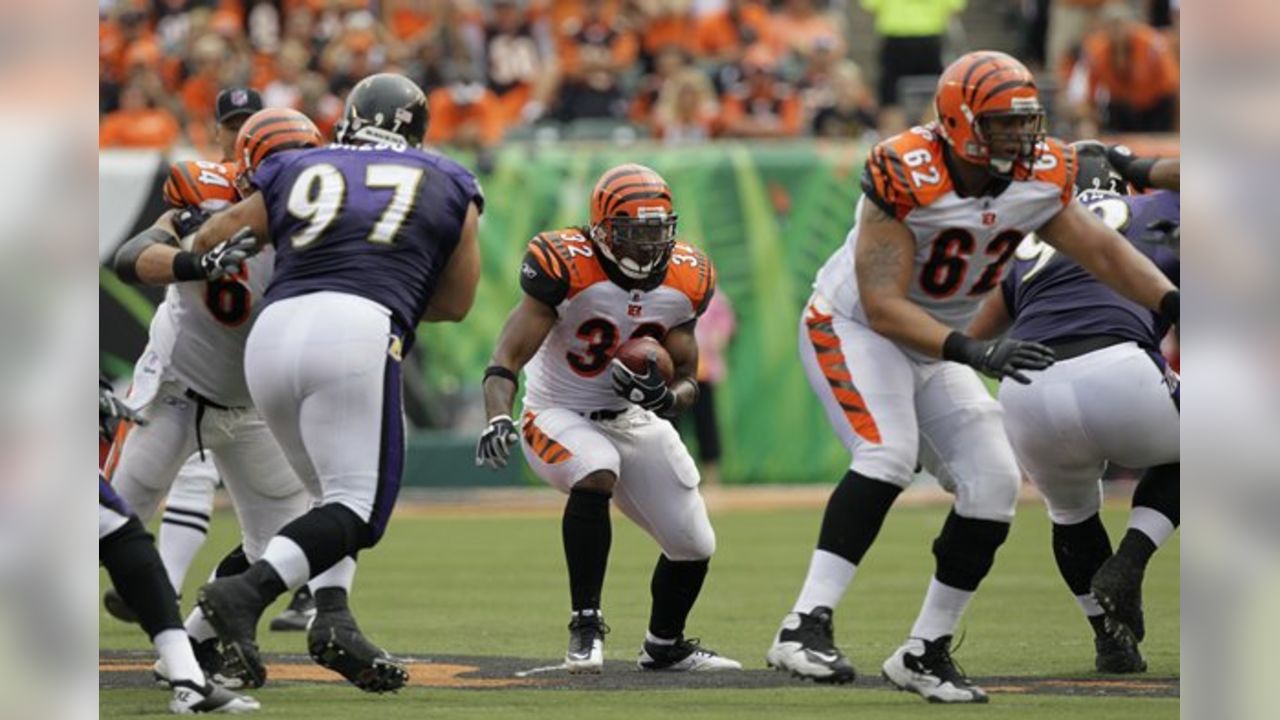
[234, 563]
[1136, 547]
[136, 571]
[1158, 490]
[1080, 550]
[965, 550]
[675, 587]
[587, 534]
[854, 514]
[331, 599]
[327, 534]
[266, 581]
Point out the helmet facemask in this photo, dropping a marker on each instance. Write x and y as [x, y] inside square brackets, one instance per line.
[640, 246]
[1012, 140]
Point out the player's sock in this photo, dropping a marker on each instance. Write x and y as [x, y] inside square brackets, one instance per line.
[233, 563]
[1080, 549]
[829, 576]
[331, 599]
[675, 587]
[341, 575]
[137, 574]
[964, 551]
[315, 542]
[1155, 515]
[198, 626]
[182, 533]
[180, 663]
[941, 611]
[587, 534]
[855, 512]
[287, 560]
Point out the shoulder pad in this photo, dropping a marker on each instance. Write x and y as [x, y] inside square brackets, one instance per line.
[692, 273]
[1057, 166]
[565, 258]
[906, 171]
[199, 184]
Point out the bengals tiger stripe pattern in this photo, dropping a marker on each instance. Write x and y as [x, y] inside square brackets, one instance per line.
[826, 345]
[547, 449]
[268, 131]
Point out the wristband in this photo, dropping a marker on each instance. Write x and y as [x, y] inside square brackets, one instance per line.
[1169, 305]
[499, 371]
[955, 347]
[1139, 172]
[186, 266]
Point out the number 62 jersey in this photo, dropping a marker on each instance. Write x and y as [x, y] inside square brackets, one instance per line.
[963, 244]
[594, 315]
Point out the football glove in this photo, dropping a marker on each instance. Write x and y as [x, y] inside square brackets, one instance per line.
[496, 442]
[648, 390]
[188, 221]
[1133, 168]
[112, 408]
[1000, 358]
[227, 257]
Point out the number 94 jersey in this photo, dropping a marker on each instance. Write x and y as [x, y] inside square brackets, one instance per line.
[594, 315]
[963, 244]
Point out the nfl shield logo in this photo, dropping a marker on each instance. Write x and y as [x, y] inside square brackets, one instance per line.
[633, 310]
[239, 97]
[988, 219]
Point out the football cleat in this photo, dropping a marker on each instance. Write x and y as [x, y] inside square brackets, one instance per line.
[805, 647]
[1117, 655]
[586, 643]
[299, 613]
[1117, 586]
[684, 655]
[190, 698]
[925, 667]
[233, 607]
[116, 606]
[335, 642]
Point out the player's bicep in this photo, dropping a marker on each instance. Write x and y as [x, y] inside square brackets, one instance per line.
[250, 212]
[884, 255]
[682, 344]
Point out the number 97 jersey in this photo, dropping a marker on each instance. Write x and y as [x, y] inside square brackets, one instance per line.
[594, 315]
[962, 244]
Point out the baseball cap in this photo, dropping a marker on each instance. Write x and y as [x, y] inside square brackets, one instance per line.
[237, 101]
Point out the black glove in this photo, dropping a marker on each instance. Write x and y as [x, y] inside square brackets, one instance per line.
[1134, 169]
[496, 443]
[227, 257]
[188, 221]
[1165, 232]
[1000, 358]
[648, 390]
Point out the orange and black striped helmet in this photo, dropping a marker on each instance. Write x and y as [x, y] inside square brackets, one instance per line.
[272, 130]
[990, 114]
[633, 221]
[209, 186]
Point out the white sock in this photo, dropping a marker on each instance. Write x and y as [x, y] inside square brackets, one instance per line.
[179, 661]
[943, 606]
[199, 627]
[178, 543]
[288, 560]
[342, 574]
[829, 576]
[655, 640]
[1090, 606]
[1151, 523]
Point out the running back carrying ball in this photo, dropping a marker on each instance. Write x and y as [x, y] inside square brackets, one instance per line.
[636, 353]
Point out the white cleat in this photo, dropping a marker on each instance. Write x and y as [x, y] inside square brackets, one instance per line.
[585, 655]
[683, 656]
[925, 667]
[190, 698]
[805, 647]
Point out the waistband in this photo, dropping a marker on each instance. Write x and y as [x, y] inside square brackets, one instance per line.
[602, 414]
[202, 400]
[1073, 347]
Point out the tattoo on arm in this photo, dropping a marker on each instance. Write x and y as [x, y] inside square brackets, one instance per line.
[880, 255]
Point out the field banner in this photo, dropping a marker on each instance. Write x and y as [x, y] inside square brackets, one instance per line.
[767, 214]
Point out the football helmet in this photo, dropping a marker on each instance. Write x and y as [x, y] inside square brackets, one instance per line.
[387, 109]
[989, 113]
[633, 222]
[270, 131]
[1095, 172]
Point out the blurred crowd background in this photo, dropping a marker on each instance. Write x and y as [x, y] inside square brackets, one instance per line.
[678, 71]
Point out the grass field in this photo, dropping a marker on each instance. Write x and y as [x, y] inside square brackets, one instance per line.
[481, 585]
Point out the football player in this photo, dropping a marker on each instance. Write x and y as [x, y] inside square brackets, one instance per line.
[1110, 397]
[371, 235]
[944, 207]
[594, 429]
[126, 551]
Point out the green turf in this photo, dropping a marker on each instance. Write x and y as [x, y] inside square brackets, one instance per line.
[479, 586]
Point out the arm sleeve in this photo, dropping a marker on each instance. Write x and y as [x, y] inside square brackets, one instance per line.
[544, 276]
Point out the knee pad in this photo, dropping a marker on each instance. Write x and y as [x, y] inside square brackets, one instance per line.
[891, 463]
[698, 545]
[966, 549]
[994, 497]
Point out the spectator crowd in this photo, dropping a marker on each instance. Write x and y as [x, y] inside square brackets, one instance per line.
[679, 70]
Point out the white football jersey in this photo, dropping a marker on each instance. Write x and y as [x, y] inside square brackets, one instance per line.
[595, 316]
[963, 244]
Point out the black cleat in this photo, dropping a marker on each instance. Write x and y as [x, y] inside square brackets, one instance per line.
[926, 668]
[117, 608]
[335, 642]
[805, 647]
[1117, 655]
[586, 643]
[233, 607]
[1117, 587]
[684, 655]
[295, 617]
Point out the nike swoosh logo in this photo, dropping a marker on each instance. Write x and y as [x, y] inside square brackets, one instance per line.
[827, 658]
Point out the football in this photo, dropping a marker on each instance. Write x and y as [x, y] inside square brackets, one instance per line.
[635, 354]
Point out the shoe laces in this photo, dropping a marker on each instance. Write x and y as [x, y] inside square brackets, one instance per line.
[589, 622]
[819, 632]
[938, 657]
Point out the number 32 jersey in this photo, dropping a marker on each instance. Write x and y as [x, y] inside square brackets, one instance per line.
[594, 315]
[963, 244]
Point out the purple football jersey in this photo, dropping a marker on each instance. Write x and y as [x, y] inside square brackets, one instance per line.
[1052, 298]
[376, 222]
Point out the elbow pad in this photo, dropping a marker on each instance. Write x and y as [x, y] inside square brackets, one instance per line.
[126, 260]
